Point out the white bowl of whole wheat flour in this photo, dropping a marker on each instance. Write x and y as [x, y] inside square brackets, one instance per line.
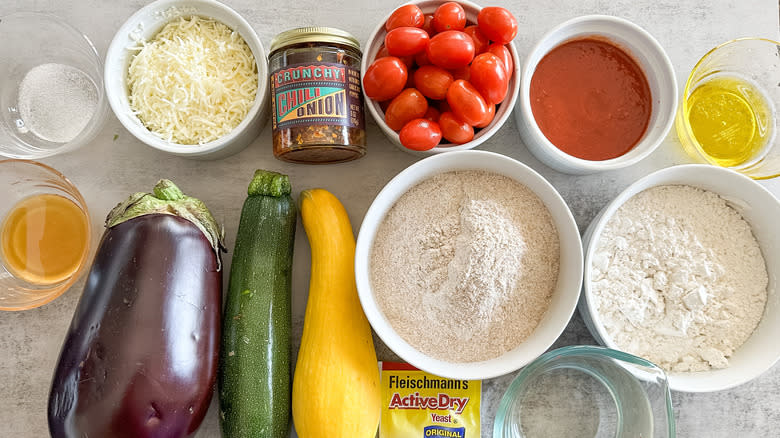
[468, 265]
[681, 268]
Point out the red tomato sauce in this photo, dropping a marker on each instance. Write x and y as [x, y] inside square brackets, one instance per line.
[591, 99]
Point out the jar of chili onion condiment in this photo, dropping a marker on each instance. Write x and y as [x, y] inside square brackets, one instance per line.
[316, 96]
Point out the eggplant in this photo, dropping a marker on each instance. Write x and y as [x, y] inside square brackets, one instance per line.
[140, 357]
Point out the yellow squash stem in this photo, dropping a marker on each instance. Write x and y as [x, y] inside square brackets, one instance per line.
[336, 382]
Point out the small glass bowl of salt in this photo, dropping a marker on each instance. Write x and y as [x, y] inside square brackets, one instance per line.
[51, 87]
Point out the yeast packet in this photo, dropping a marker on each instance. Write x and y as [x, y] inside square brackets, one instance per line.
[416, 404]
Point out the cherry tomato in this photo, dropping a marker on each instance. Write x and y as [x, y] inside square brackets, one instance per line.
[454, 129]
[466, 102]
[432, 114]
[498, 24]
[481, 42]
[433, 81]
[462, 73]
[406, 15]
[449, 16]
[428, 25]
[451, 49]
[504, 55]
[382, 52]
[410, 79]
[406, 41]
[420, 134]
[488, 117]
[385, 78]
[409, 104]
[407, 60]
[421, 59]
[489, 77]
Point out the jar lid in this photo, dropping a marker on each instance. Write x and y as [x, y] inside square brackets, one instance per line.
[314, 35]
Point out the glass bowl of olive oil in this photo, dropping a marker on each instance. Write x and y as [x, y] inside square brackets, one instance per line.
[728, 115]
[44, 234]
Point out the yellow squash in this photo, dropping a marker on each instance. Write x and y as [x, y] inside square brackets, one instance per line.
[336, 383]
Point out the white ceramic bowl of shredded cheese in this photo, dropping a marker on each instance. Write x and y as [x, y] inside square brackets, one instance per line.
[760, 209]
[564, 296]
[143, 26]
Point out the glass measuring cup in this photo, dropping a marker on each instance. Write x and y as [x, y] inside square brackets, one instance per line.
[728, 111]
[21, 180]
[587, 391]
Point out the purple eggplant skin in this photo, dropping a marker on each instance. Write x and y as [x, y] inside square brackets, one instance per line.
[140, 357]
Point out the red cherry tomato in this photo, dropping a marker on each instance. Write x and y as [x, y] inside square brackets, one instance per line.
[488, 117]
[410, 79]
[382, 52]
[385, 78]
[466, 102]
[407, 60]
[454, 129]
[428, 25]
[433, 81]
[420, 134]
[451, 49]
[406, 15]
[421, 59]
[449, 16]
[409, 104]
[406, 41]
[462, 73]
[489, 77]
[481, 42]
[498, 24]
[504, 55]
[432, 114]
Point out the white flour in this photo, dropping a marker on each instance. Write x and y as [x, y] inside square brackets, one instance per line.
[679, 278]
[464, 265]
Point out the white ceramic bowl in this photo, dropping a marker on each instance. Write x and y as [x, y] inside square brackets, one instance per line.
[564, 297]
[377, 40]
[761, 210]
[147, 22]
[650, 56]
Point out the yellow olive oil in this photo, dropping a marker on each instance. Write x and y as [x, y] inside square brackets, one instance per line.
[730, 119]
[44, 238]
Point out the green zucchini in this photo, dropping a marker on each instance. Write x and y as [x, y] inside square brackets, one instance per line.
[254, 373]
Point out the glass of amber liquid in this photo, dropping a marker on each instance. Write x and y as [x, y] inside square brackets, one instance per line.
[44, 234]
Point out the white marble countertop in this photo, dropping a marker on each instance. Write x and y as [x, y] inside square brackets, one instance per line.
[110, 168]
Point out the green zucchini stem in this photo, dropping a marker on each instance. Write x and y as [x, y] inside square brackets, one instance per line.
[268, 183]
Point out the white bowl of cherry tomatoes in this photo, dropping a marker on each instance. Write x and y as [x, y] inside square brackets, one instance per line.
[441, 76]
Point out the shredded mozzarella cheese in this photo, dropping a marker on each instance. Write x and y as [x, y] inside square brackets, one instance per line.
[194, 82]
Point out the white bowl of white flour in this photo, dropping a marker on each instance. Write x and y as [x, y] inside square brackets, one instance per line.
[681, 269]
[468, 265]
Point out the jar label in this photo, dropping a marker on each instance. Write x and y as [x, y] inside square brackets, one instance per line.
[316, 94]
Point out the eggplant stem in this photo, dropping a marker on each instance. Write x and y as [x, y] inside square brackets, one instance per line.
[167, 198]
[167, 191]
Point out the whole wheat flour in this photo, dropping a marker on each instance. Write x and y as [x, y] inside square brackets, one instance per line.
[678, 278]
[464, 265]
